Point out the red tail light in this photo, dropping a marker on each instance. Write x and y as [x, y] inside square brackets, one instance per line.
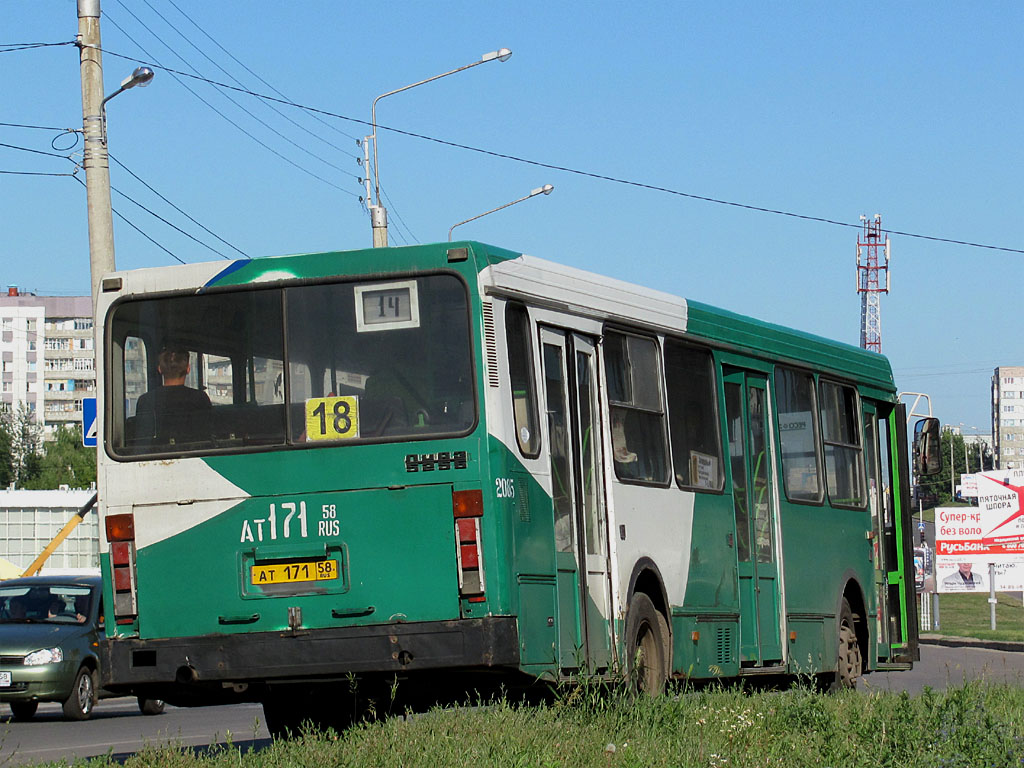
[468, 509]
[121, 537]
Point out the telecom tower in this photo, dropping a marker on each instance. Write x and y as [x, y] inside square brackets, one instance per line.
[870, 245]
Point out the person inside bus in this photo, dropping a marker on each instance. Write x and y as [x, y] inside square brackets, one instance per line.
[172, 412]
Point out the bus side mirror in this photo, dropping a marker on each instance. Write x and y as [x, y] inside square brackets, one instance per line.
[927, 448]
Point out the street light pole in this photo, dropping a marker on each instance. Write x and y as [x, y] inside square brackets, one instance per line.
[545, 190]
[378, 214]
[95, 160]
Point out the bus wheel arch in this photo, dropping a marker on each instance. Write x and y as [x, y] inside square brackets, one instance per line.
[648, 631]
[852, 637]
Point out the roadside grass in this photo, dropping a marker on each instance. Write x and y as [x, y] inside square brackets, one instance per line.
[977, 724]
[962, 615]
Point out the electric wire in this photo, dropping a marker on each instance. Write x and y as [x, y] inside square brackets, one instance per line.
[176, 73]
[399, 220]
[319, 119]
[34, 151]
[597, 176]
[168, 223]
[131, 224]
[179, 210]
[36, 127]
[225, 95]
[235, 80]
[12, 47]
[34, 173]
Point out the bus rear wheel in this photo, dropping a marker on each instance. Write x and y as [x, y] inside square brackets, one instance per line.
[647, 643]
[850, 661]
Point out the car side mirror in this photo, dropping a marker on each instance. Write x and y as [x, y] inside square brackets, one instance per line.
[927, 448]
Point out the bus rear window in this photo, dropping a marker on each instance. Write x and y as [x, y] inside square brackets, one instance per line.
[359, 360]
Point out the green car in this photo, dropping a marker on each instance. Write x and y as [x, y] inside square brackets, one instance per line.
[50, 628]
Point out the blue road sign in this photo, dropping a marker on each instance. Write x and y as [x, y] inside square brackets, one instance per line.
[89, 422]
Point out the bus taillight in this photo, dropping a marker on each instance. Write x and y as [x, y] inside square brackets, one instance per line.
[468, 508]
[121, 537]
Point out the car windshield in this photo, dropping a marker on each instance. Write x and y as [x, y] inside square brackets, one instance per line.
[334, 363]
[48, 603]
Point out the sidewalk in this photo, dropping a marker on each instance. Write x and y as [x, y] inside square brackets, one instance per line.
[972, 642]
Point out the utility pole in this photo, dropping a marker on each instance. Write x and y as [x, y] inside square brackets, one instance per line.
[95, 161]
[870, 245]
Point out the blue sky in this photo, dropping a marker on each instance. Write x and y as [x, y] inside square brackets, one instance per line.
[910, 110]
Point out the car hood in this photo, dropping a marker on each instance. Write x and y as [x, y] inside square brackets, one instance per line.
[20, 639]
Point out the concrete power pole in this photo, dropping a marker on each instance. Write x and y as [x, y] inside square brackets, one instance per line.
[96, 162]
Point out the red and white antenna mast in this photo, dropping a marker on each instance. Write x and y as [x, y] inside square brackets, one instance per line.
[871, 245]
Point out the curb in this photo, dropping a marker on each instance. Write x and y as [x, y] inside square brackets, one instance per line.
[950, 641]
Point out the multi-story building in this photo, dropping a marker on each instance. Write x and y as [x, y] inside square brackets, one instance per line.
[30, 519]
[48, 362]
[1008, 417]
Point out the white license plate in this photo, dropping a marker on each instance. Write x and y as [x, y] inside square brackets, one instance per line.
[5, 679]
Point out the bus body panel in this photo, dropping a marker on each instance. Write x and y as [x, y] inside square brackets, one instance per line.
[383, 511]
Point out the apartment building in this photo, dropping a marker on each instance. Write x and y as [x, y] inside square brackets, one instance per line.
[1008, 417]
[47, 359]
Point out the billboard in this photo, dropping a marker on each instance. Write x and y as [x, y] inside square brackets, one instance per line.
[968, 539]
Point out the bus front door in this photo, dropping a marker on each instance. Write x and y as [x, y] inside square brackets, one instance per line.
[581, 535]
[754, 502]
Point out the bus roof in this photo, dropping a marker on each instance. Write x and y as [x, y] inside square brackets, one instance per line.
[510, 273]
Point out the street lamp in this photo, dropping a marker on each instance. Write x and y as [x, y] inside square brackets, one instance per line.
[141, 77]
[545, 190]
[378, 215]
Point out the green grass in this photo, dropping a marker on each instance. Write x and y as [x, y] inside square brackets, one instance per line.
[963, 615]
[974, 725]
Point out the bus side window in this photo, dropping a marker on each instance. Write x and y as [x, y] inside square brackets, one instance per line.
[634, 380]
[521, 381]
[798, 434]
[841, 435]
[693, 416]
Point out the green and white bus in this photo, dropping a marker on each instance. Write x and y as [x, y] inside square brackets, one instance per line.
[448, 468]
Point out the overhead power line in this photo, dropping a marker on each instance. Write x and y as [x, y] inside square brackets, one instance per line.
[179, 210]
[176, 73]
[586, 174]
[138, 229]
[12, 47]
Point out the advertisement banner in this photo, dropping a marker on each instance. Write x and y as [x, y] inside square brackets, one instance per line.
[962, 555]
[1002, 515]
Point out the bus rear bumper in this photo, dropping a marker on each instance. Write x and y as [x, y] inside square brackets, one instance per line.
[235, 660]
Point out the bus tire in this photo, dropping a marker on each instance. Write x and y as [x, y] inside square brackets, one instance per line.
[849, 663]
[647, 646]
[80, 703]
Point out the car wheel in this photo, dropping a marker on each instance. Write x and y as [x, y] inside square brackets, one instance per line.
[23, 710]
[151, 706]
[83, 696]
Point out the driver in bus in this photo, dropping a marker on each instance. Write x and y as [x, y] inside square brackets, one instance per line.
[172, 411]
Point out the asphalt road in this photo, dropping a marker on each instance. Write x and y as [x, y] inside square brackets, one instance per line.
[118, 728]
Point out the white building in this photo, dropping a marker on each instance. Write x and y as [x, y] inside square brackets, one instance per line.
[48, 362]
[30, 519]
[1008, 417]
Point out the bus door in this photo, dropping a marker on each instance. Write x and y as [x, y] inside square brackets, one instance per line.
[754, 490]
[889, 589]
[577, 479]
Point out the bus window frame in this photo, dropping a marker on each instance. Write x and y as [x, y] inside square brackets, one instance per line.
[716, 415]
[609, 403]
[818, 453]
[858, 422]
[533, 405]
[289, 444]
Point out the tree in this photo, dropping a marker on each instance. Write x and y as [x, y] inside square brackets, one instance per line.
[65, 462]
[938, 488]
[6, 459]
[25, 439]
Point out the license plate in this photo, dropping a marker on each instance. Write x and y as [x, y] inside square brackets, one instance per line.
[5, 679]
[287, 573]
